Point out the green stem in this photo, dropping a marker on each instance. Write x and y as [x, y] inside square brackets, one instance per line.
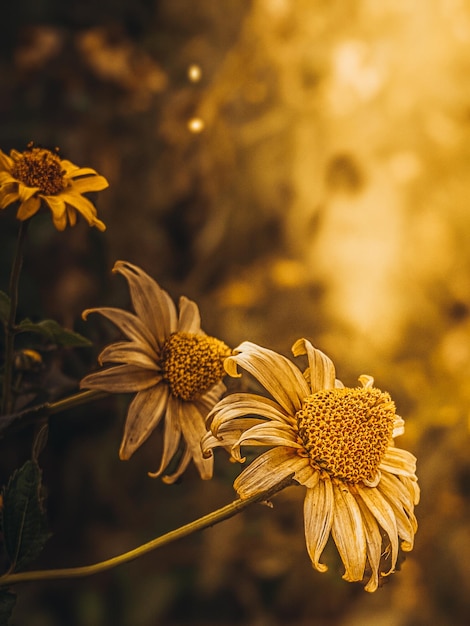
[10, 325]
[82, 397]
[37, 413]
[203, 522]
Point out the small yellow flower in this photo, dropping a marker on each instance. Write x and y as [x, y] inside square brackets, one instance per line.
[38, 175]
[337, 442]
[174, 368]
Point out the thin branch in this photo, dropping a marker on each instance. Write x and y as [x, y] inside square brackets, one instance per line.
[203, 522]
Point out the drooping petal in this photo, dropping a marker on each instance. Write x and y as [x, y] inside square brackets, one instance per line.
[85, 207]
[145, 411]
[406, 522]
[121, 379]
[318, 519]
[58, 210]
[347, 531]
[193, 430]
[228, 434]
[28, 208]
[266, 434]
[239, 405]
[321, 370]
[374, 545]
[131, 326]
[411, 483]
[171, 435]
[131, 353]
[71, 215]
[189, 320]
[279, 376]
[268, 470]
[383, 513]
[396, 486]
[183, 463]
[151, 303]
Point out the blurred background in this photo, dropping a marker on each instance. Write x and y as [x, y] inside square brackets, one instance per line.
[300, 170]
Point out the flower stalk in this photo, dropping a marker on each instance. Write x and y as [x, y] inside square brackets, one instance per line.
[215, 517]
[10, 325]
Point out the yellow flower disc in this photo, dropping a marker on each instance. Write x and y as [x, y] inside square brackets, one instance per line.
[192, 364]
[347, 431]
[38, 167]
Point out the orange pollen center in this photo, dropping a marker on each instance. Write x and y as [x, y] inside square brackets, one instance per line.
[346, 432]
[192, 364]
[38, 167]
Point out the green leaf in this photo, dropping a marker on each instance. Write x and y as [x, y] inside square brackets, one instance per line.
[23, 519]
[4, 306]
[7, 604]
[54, 332]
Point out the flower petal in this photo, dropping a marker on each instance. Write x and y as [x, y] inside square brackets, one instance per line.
[6, 163]
[131, 326]
[318, 518]
[169, 479]
[189, 320]
[268, 470]
[7, 198]
[279, 376]
[238, 405]
[58, 210]
[85, 207]
[151, 303]
[193, 430]
[145, 411]
[406, 521]
[28, 208]
[130, 353]
[71, 215]
[383, 513]
[374, 545]
[398, 461]
[25, 193]
[348, 533]
[321, 370]
[171, 435]
[121, 379]
[72, 170]
[88, 184]
[207, 401]
[227, 435]
[266, 434]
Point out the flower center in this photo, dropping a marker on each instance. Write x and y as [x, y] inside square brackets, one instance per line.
[192, 364]
[38, 167]
[347, 431]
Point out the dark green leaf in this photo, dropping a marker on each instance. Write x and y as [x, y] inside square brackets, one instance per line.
[4, 306]
[7, 604]
[54, 332]
[23, 519]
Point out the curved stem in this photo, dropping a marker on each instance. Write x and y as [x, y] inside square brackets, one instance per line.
[203, 522]
[10, 325]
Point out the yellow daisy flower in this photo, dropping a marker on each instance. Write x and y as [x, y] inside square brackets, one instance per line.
[174, 368]
[337, 442]
[38, 175]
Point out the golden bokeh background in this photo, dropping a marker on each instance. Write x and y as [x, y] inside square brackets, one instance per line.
[301, 169]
